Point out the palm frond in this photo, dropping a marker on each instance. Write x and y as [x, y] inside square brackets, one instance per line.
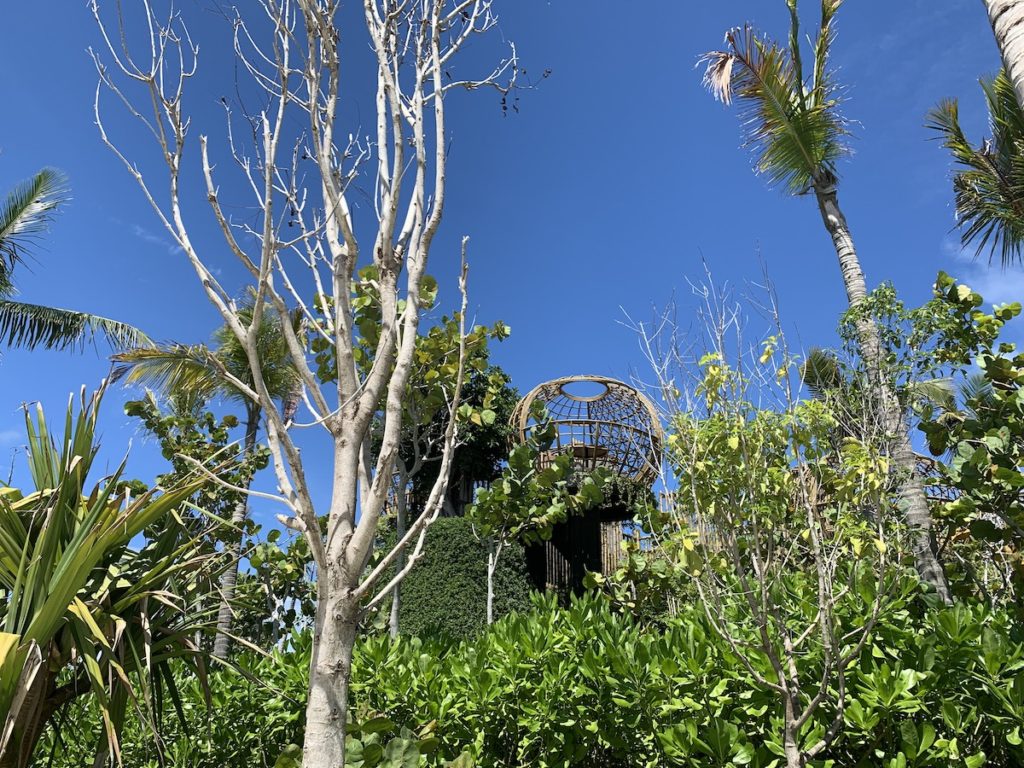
[30, 326]
[822, 372]
[977, 394]
[794, 127]
[198, 371]
[190, 371]
[26, 212]
[938, 392]
[988, 182]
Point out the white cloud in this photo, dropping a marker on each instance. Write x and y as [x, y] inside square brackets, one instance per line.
[153, 239]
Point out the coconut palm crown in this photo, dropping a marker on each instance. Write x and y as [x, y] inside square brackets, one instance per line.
[988, 182]
[792, 121]
[25, 214]
[199, 372]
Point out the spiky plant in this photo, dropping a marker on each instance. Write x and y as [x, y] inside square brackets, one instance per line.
[25, 214]
[89, 606]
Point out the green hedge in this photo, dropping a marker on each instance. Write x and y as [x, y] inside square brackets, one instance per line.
[446, 592]
[583, 687]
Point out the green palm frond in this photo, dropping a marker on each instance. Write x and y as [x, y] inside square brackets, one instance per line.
[988, 183]
[198, 370]
[938, 392]
[30, 326]
[822, 372]
[977, 394]
[188, 371]
[25, 213]
[793, 125]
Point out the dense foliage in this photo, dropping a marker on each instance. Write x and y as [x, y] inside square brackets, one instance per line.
[446, 592]
[588, 686]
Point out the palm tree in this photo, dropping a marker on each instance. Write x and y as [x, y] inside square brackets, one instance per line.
[794, 125]
[1007, 19]
[24, 215]
[84, 610]
[988, 184]
[199, 371]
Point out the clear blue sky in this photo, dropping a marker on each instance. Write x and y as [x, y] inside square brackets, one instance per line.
[618, 174]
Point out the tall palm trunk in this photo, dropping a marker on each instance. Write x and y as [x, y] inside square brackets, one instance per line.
[1007, 18]
[233, 548]
[912, 496]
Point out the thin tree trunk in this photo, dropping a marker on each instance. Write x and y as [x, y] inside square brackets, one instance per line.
[1007, 19]
[912, 496]
[493, 554]
[329, 671]
[791, 736]
[401, 508]
[233, 548]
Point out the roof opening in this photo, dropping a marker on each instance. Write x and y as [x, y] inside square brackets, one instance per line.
[584, 391]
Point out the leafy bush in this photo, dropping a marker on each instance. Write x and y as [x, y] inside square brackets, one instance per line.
[447, 590]
[586, 686]
[236, 718]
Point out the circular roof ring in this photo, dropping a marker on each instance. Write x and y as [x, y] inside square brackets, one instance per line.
[584, 390]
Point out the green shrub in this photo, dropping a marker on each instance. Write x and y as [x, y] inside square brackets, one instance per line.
[585, 686]
[240, 718]
[446, 591]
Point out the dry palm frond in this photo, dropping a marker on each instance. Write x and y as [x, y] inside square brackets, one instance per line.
[793, 126]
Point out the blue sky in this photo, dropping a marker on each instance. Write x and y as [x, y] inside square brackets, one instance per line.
[617, 176]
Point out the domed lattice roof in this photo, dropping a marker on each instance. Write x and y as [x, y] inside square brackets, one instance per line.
[602, 422]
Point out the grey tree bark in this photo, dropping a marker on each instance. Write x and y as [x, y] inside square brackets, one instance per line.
[913, 499]
[334, 638]
[401, 511]
[233, 548]
[1007, 19]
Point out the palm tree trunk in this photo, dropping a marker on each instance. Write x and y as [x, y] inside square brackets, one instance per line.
[1007, 19]
[233, 548]
[912, 496]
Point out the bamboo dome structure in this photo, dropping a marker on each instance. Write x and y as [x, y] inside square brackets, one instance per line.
[602, 423]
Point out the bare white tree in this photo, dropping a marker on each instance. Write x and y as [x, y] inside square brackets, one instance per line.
[305, 247]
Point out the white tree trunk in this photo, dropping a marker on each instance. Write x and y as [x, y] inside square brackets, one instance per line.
[1007, 19]
[331, 664]
[914, 501]
[492, 565]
